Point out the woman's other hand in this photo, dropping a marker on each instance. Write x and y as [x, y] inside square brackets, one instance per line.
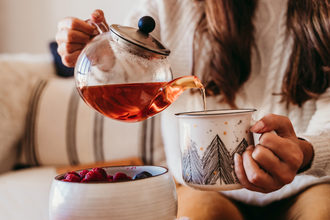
[73, 34]
[275, 161]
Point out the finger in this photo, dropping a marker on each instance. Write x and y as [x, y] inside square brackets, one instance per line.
[77, 25]
[281, 124]
[72, 36]
[254, 173]
[70, 60]
[240, 174]
[66, 48]
[99, 27]
[266, 159]
[285, 149]
[97, 17]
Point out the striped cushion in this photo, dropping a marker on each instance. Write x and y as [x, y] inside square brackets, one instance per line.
[62, 130]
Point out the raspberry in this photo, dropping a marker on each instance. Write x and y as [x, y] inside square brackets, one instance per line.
[110, 178]
[71, 172]
[120, 177]
[100, 175]
[83, 173]
[100, 170]
[72, 178]
[93, 176]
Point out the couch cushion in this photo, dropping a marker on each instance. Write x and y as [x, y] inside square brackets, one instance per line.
[62, 130]
[25, 193]
[17, 188]
[18, 75]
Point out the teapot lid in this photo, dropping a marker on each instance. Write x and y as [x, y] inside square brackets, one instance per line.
[141, 37]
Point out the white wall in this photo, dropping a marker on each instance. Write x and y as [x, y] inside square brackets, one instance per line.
[29, 25]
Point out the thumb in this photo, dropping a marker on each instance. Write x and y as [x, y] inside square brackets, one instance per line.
[280, 124]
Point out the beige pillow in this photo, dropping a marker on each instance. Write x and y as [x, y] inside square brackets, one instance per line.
[18, 75]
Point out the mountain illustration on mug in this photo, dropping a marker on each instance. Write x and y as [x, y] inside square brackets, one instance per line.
[216, 163]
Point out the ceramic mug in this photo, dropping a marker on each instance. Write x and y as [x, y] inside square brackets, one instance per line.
[208, 141]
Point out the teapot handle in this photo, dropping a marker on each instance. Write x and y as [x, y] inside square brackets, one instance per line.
[98, 26]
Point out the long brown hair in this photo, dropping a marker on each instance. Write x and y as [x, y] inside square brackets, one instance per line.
[231, 31]
[308, 73]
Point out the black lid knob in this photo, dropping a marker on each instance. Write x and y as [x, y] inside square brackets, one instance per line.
[146, 24]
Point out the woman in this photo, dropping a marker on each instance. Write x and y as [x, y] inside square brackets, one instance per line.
[270, 55]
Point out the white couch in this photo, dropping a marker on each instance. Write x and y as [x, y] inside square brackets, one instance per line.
[24, 193]
[44, 125]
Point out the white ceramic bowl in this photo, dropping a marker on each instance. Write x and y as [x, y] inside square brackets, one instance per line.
[150, 198]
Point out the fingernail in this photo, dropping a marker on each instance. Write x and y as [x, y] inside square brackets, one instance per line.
[254, 154]
[258, 126]
[236, 158]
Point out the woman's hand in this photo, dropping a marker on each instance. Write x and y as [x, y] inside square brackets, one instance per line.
[73, 34]
[275, 161]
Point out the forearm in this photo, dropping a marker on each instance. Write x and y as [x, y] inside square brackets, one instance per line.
[318, 135]
[320, 162]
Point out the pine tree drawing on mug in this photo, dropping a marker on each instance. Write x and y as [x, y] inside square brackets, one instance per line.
[192, 166]
[217, 163]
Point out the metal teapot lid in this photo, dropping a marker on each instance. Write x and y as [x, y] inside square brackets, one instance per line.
[141, 37]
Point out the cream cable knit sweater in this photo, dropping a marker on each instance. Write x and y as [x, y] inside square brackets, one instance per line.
[176, 21]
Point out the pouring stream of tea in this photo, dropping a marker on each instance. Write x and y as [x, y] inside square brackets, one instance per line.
[137, 101]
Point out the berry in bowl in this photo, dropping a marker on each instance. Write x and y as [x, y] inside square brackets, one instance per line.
[123, 192]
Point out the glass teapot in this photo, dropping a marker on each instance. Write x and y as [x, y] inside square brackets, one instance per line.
[124, 74]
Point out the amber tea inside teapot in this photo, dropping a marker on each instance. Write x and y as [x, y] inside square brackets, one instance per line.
[124, 73]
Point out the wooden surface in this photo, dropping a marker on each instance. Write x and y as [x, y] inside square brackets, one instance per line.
[128, 161]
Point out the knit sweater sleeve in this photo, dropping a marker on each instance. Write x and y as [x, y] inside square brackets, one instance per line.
[318, 134]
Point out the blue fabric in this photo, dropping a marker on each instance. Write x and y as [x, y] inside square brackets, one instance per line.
[61, 70]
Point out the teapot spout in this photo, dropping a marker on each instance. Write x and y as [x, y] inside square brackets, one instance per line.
[176, 87]
[172, 90]
[185, 82]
